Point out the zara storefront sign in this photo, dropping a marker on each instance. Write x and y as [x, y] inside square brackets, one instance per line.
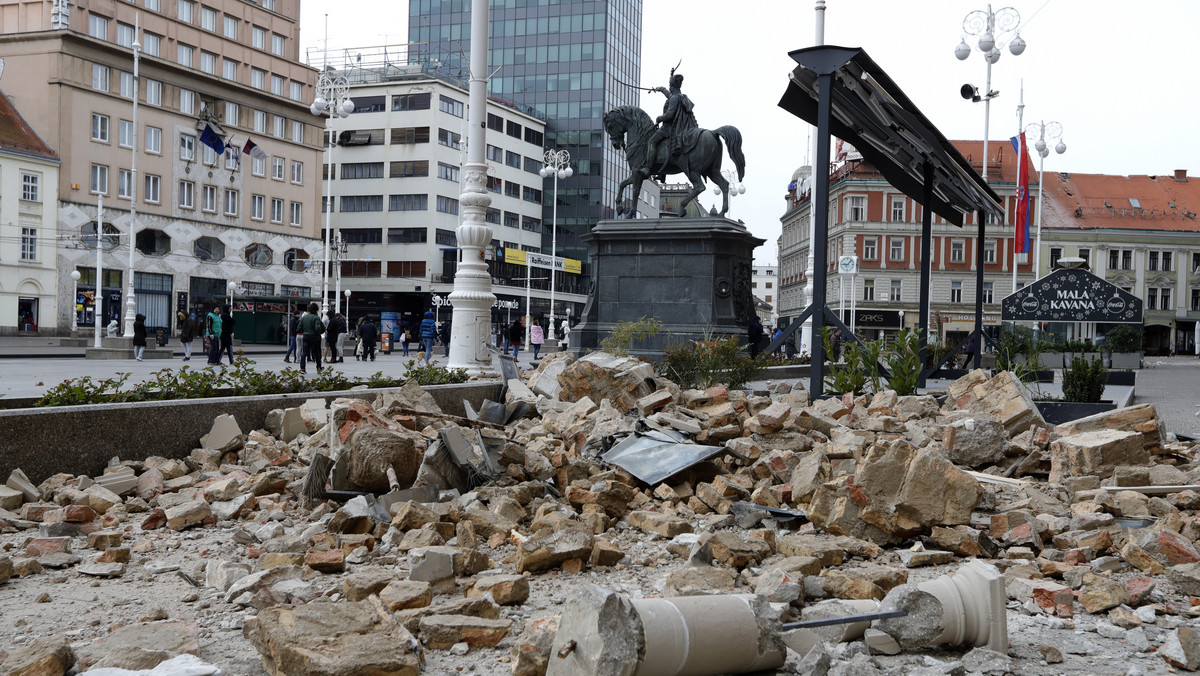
[1073, 295]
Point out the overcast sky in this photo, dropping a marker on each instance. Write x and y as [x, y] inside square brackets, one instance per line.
[1116, 75]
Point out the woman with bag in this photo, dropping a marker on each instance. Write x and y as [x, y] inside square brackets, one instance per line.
[536, 337]
[187, 333]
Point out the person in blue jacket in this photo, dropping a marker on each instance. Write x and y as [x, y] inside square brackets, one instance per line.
[429, 334]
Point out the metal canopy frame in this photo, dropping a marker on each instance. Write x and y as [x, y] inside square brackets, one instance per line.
[842, 91]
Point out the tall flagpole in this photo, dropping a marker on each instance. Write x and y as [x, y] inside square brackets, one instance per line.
[1020, 159]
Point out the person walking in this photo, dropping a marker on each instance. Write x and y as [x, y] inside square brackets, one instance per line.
[444, 336]
[292, 327]
[405, 337]
[331, 336]
[536, 337]
[969, 351]
[310, 328]
[227, 324]
[428, 334]
[139, 336]
[516, 335]
[212, 335]
[342, 329]
[367, 335]
[187, 334]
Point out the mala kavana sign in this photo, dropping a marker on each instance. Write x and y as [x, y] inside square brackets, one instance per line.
[1072, 295]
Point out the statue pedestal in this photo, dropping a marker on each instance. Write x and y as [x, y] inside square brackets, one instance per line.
[692, 274]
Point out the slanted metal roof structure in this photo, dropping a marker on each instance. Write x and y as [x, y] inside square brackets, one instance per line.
[843, 91]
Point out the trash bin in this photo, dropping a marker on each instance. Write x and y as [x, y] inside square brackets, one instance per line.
[386, 343]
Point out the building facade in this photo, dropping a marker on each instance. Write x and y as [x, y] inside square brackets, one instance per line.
[203, 220]
[881, 226]
[395, 189]
[28, 225]
[570, 62]
[764, 284]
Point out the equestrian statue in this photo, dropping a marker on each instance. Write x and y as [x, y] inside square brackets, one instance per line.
[672, 144]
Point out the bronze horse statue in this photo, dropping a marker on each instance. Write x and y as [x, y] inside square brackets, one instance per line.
[630, 128]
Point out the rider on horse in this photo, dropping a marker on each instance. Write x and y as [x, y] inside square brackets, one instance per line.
[677, 125]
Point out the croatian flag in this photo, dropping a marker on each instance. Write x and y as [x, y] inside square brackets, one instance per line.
[251, 148]
[1022, 216]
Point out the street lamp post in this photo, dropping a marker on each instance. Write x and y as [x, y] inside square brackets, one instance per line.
[989, 26]
[347, 292]
[333, 98]
[1045, 131]
[74, 301]
[735, 187]
[130, 301]
[557, 164]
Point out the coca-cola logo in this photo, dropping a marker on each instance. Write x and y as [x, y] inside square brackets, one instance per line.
[1029, 304]
[1115, 305]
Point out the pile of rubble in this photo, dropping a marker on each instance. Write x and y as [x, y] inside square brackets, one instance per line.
[548, 532]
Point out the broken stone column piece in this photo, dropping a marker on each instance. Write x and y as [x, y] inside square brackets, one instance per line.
[973, 606]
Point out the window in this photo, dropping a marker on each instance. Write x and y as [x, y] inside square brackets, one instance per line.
[125, 35]
[512, 129]
[100, 127]
[152, 44]
[897, 287]
[187, 194]
[857, 208]
[297, 209]
[512, 189]
[402, 135]
[445, 237]
[1164, 298]
[276, 210]
[98, 26]
[183, 54]
[1055, 255]
[447, 205]
[152, 242]
[896, 248]
[1120, 259]
[126, 85]
[1151, 298]
[1086, 255]
[1160, 260]
[358, 203]
[232, 113]
[956, 292]
[411, 101]
[494, 184]
[210, 156]
[898, 209]
[511, 220]
[1195, 300]
[361, 235]
[28, 244]
[153, 189]
[512, 159]
[31, 187]
[989, 252]
[231, 202]
[279, 125]
[185, 10]
[531, 224]
[258, 166]
[870, 248]
[297, 131]
[449, 139]
[258, 255]
[294, 260]
[355, 170]
[152, 5]
[99, 77]
[99, 179]
[531, 195]
[260, 121]
[406, 268]
[535, 137]
[208, 19]
[295, 91]
[277, 168]
[231, 27]
[494, 154]
[125, 184]
[208, 62]
[258, 78]
[277, 85]
[448, 172]
[533, 166]
[495, 123]
[208, 198]
[154, 140]
[257, 205]
[408, 202]
[258, 38]
[958, 251]
[407, 235]
[125, 134]
[153, 92]
[988, 293]
[277, 44]
[297, 172]
[493, 216]
[229, 70]
[187, 101]
[868, 289]
[407, 169]
[449, 105]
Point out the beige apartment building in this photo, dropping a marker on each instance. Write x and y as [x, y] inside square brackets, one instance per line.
[203, 220]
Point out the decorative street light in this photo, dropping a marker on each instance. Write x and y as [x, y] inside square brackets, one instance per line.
[232, 286]
[130, 300]
[735, 187]
[332, 99]
[1051, 131]
[347, 292]
[74, 302]
[557, 164]
[992, 28]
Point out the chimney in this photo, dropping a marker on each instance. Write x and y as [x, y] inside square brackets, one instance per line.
[1181, 175]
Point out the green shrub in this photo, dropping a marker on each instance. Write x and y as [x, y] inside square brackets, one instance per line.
[1085, 380]
[705, 363]
[904, 362]
[1123, 338]
[624, 333]
[432, 374]
[849, 375]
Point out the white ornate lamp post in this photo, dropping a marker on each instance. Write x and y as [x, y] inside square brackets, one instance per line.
[472, 297]
[1051, 131]
[332, 99]
[74, 301]
[130, 300]
[557, 164]
[347, 292]
[992, 28]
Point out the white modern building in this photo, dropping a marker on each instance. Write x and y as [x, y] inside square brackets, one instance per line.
[764, 284]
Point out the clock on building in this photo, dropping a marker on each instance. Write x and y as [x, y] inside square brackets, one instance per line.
[848, 265]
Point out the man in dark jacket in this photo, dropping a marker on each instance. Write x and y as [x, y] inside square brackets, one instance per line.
[444, 336]
[311, 328]
[331, 335]
[754, 335]
[227, 323]
[292, 328]
[368, 334]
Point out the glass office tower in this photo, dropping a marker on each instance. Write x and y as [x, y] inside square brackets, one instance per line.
[568, 61]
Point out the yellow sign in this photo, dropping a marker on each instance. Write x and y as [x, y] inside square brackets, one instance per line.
[519, 257]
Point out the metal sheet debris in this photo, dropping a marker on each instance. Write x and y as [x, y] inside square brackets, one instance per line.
[655, 456]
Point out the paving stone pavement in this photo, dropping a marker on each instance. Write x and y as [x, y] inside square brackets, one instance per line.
[1172, 384]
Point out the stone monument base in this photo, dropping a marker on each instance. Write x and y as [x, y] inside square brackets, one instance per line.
[692, 274]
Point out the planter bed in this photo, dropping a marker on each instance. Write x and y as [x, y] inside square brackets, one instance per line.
[1058, 412]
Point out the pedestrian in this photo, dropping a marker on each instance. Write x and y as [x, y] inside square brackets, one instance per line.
[342, 328]
[837, 346]
[367, 334]
[536, 337]
[310, 328]
[516, 335]
[227, 323]
[139, 336]
[775, 336]
[754, 334]
[428, 334]
[405, 337]
[969, 351]
[212, 335]
[331, 336]
[444, 336]
[292, 327]
[187, 334]
[564, 340]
